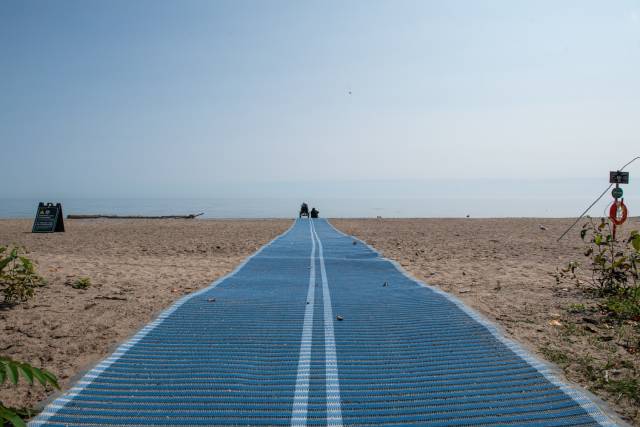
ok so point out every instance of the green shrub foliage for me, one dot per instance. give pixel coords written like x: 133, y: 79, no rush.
x: 613, y: 269
x: 11, y: 371
x: 81, y: 283
x: 18, y: 278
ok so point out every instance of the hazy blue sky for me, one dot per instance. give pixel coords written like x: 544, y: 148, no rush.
x: 157, y: 98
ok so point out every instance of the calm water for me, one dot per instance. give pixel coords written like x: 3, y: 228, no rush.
x: 329, y: 207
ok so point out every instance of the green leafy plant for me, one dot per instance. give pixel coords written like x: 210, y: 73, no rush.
x: 613, y: 269
x: 12, y: 370
x: 18, y: 278
x: 628, y: 385
x: 613, y: 263
x: 555, y: 355
x: 624, y: 305
x: 576, y: 308
x: 81, y: 283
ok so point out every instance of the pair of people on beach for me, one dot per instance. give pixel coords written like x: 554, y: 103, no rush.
x: 304, y: 211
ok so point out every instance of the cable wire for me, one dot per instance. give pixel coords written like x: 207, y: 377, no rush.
x: 595, y: 201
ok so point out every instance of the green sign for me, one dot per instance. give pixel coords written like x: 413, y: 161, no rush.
x: 617, y: 193
x: 48, y: 218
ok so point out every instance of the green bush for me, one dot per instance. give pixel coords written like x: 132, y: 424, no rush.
x: 626, y: 305
x: 81, y: 283
x: 613, y: 263
x: 576, y: 308
x: 613, y: 269
x: 12, y: 370
x: 18, y: 278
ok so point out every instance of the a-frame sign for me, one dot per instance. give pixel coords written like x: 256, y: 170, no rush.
x: 49, y: 219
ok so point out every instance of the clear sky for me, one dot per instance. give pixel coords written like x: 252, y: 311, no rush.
x: 182, y: 98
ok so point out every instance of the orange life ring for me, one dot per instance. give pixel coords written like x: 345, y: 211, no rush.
x: 613, y: 212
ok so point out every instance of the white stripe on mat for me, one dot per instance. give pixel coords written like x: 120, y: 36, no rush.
x: 334, y: 409
x: 301, y: 396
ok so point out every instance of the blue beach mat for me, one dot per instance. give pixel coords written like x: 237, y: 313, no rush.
x: 305, y: 332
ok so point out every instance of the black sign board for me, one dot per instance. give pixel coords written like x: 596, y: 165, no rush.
x: 48, y: 219
x: 617, y: 177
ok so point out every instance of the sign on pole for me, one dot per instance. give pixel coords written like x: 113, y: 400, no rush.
x: 617, y: 177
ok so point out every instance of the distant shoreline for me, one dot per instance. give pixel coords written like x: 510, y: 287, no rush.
x: 445, y: 206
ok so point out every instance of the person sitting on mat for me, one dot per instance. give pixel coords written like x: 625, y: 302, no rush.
x: 304, y: 210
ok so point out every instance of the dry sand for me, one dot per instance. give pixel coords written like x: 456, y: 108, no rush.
x: 136, y: 267
x: 501, y: 267
x: 504, y: 269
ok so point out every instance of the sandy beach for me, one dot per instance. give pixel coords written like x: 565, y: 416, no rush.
x: 501, y: 267
x: 504, y: 268
x: 136, y: 267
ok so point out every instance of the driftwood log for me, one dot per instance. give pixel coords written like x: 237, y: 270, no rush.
x: 190, y: 216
